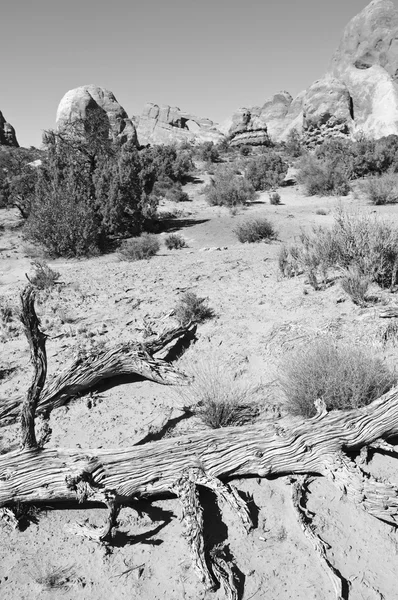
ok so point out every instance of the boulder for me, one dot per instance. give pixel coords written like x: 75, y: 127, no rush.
x: 7, y: 133
x: 81, y: 101
x: 366, y: 60
x: 327, y: 110
x: 169, y: 125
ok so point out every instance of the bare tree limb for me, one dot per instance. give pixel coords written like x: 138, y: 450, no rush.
x: 37, y: 343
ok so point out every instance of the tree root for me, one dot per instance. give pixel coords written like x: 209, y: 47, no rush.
x: 192, y: 516
x: 340, y: 586
x: 378, y: 498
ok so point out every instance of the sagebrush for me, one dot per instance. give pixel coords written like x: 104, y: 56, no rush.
x: 140, y: 248
x: 364, y: 242
x: 192, y: 309
x: 255, y: 230
x: 343, y: 375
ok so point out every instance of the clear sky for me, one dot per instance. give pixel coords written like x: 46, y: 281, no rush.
x: 209, y: 57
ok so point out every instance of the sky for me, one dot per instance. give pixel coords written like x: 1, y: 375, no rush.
x: 208, y: 57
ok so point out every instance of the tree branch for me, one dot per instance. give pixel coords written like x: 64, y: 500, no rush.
x: 37, y: 343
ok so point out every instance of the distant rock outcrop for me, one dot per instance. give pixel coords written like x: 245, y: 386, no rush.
x: 79, y: 102
x: 260, y: 124
x: 359, y: 93
x: 7, y: 133
x: 248, y: 128
x: 168, y: 124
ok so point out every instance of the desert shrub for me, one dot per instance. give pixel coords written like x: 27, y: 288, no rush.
x: 274, y: 198
x: 44, y: 276
x: 321, y: 211
x: 356, y: 285
x: 217, y: 397
x: 192, y: 309
x: 140, y: 248
x: 342, y: 375
x: 382, y: 189
x: 245, y: 150
x: 324, y: 176
x: 65, y: 222
x: 54, y: 578
x: 89, y: 192
x: 174, y: 241
x: 361, y: 242
x: 289, y: 260
x: 294, y: 146
x: 228, y: 189
x: 255, y: 230
x: 266, y: 171
x: 177, y: 194
x: 18, y: 177
x: 169, y: 189
x: 165, y: 162
x: 364, y: 242
x: 208, y: 152
x: 223, y: 146
x: 362, y: 157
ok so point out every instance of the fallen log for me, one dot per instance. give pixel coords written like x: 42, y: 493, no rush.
x: 288, y: 446
x: 88, y: 371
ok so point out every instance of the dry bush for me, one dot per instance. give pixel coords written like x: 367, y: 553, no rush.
x: 140, y: 248
x: 256, y: 230
x: 192, y: 309
x: 44, y: 277
x: 174, y: 241
x: 323, y: 177
x: 356, y: 285
x: 229, y: 189
x: 218, y: 398
x: 343, y: 375
x: 274, y: 198
x: 54, y: 578
x: 382, y: 189
x: 363, y: 242
x: 266, y: 171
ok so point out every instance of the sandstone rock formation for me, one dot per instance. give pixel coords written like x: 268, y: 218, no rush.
x: 359, y: 93
x: 248, y: 127
x: 366, y: 60
x: 327, y: 110
x: 258, y: 125
x: 7, y: 133
x: 79, y: 102
x: 168, y: 124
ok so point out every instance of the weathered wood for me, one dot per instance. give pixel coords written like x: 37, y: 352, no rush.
x: 320, y: 547
x: 37, y: 344
x: 88, y: 371
x: 316, y: 445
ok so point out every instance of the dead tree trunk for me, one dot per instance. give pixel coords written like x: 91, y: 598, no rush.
x: 177, y: 466
x: 318, y: 446
x: 87, y: 372
x: 37, y: 343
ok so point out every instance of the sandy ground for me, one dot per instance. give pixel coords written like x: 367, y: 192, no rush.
x: 259, y: 318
